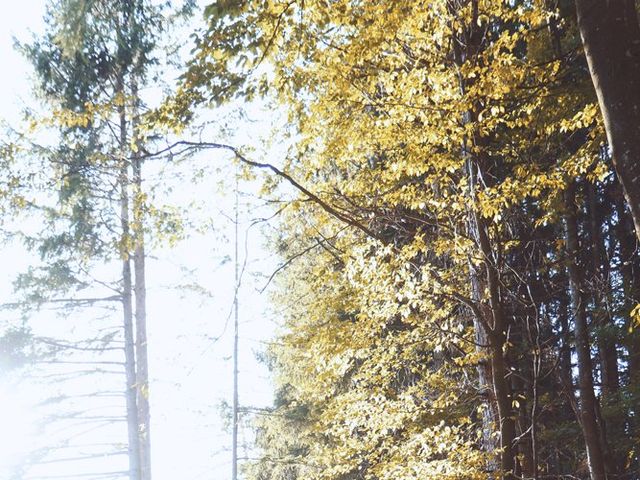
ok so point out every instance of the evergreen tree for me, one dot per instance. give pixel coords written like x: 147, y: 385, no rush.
x: 90, y: 67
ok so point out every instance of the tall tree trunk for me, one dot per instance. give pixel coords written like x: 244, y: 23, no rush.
x: 525, y: 421
x: 144, y: 412
x: 491, y: 317
x: 600, y: 288
x: 489, y: 414
x: 630, y: 272
x: 127, y: 300
x: 501, y: 386
x: 611, y: 38
x: 565, y: 372
x: 139, y: 257
x: 504, y: 401
x: 603, y: 319
x: 236, y: 305
x: 492, y: 327
x: 495, y: 323
x: 631, y: 286
x: 588, y: 401
x: 565, y: 375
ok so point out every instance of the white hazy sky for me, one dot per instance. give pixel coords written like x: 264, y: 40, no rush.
x: 16, y: 21
x: 190, y: 372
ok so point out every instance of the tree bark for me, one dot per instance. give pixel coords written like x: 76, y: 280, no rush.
x: 611, y: 39
x: 600, y: 289
x: 588, y: 401
x: 630, y: 273
x: 236, y: 305
x: 603, y: 319
x: 483, y: 369
x: 127, y: 300
x: 139, y: 258
x: 565, y: 374
x: 494, y: 325
x: 499, y: 368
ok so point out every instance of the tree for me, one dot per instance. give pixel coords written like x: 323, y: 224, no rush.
x: 90, y: 67
x: 611, y: 34
x: 451, y: 172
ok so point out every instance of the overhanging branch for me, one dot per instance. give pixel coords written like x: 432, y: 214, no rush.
x: 334, y: 212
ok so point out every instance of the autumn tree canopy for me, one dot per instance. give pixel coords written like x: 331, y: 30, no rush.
x: 465, y: 308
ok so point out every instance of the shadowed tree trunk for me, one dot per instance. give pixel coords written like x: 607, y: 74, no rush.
x: 600, y: 280
x: 588, y: 401
x: 629, y: 270
x: 611, y: 38
x: 603, y: 320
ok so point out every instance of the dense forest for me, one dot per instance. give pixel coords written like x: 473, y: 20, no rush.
x: 456, y: 204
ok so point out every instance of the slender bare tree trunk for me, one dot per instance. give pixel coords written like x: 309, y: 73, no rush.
x: 602, y: 318
x: 630, y: 271
x: 499, y: 357
x: 127, y: 300
x: 606, y: 345
x: 564, y: 365
x: 611, y: 38
x: 524, y: 411
x: 139, y: 257
x: 144, y: 412
x: 588, y: 401
x: 631, y: 287
x: 234, y: 439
